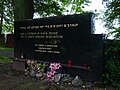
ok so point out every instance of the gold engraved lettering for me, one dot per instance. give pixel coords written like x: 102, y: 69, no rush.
x: 32, y: 27
x: 54, y: 26
x: 22, y: 27
x: 21, y: 33
x: 51, y: 26
x: 22, y: 36
x: 45, y: 48
x: 56, y: 52
x: 42, y: 26
x: 38, y: 50
x: 28, y: 27
x: 47, y: 26
x: 30, y: 36
x: 36, y: 27
x: 65, y: 25
x: 37, y: 33
x: 53, y: 33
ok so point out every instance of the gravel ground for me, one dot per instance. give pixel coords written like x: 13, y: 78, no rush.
x: 16, y: 80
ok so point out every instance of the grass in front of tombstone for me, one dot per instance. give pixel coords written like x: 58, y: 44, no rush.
x: 4, y: 59
x: 6, y: 48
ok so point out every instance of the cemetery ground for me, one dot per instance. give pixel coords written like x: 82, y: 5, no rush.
x: 16, y: 80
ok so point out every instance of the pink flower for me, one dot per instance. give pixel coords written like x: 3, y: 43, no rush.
x: 48, y: 75
x: 55, y: 66
x: 51, y: 74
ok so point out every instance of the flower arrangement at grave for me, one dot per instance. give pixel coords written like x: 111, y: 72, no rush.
x: 35, y: 69
x: 53, y: 71
x: 39, y: 70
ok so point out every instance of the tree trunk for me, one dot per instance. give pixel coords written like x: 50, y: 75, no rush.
x: 23, y: 9
x: 1, y: 16
x: 1, y: 22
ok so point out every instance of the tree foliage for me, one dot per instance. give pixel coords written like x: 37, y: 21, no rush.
x: 11, y: 9
x: 6, y: 11
x: 112, y: 17
x: 47, y: 7
x: 59, y: 7
x: 112, y: 67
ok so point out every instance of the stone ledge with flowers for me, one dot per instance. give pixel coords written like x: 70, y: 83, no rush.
x: 11, y: 79
x: 52, y: 72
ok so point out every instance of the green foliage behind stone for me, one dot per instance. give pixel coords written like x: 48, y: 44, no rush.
x: 111, y: 17
x: 112, y: 67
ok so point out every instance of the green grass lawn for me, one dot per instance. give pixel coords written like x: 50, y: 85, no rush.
x: 4, y: 59
x: 6, y: 48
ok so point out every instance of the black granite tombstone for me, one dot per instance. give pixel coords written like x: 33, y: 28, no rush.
x: 64, y: 39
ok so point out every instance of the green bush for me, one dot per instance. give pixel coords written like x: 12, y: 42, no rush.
x: 112, y: 66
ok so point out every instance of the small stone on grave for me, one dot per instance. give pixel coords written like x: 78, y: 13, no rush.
x: 33, y: 73
x: 27, y: 72
x: 39, y: 75
x: 57, y: 77
x: 67, y: 78
x: 77, y: 81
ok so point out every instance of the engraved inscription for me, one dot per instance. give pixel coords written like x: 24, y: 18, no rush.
x: 42, y: 48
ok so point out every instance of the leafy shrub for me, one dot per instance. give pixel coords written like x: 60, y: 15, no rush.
x: 112, y: 67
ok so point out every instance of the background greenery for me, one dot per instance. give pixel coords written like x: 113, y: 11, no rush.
x: 5, y: 59
x: 111, y: 17
x: 12, y: 10
x: 112, y: 66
